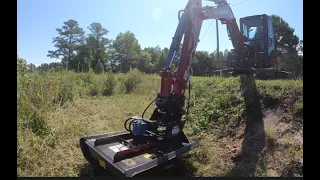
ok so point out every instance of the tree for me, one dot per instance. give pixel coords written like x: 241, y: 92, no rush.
x: 155, y: 54
x: 287, y: 44
x: 21, y: 65
x: 286, y: 41
x: 70, y: 35
x: 43, y: 67
x: 202, y: 62
x: 98, y: 45
x: 32, y: 67
x: 57, y: 66
x: 224, y: 59
x: 83, y: 58
x: 162, y: 60
x: 144, y: 62
x: 222, y: 62
x: 113, y: 63
x: 127, y: 50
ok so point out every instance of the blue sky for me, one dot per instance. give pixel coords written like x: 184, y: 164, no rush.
x: 152, y: 21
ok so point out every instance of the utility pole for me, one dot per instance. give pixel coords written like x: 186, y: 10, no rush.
x: 217, y: 43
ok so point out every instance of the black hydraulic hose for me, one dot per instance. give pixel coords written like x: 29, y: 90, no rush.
x: 128, y: 127
x: 147, y: 108
x: 130, y: 124
x: 125, y: 124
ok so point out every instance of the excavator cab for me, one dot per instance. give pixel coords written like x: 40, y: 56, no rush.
x: 259, y: 38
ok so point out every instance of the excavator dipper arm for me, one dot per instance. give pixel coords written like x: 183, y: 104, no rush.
x: 189, y: 27
x: 224, y: 13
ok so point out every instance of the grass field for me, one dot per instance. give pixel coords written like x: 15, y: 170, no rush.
x: 56, y: 109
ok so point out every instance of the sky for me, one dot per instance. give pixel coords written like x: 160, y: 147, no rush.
x: 152, y: 21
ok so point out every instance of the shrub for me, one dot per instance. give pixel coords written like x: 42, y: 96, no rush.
x: 67, y: 88
x: 132, y: 79
x: 109, y: 84
x: 93, y: 90
x: 92, y: 83
x: 34, y: 99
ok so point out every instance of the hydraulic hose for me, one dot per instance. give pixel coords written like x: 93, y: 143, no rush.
x: 125, y: 124
x: 147, y: 108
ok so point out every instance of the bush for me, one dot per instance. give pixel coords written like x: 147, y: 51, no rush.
x: 34, y: 100
x: 67, y: 88
x: 94, y: 89
x: 132, y: 79
x: 109, y: 84
x: 87, y: 78
x: 91, y: 83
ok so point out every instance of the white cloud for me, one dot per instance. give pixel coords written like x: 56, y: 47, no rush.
x: 157, y: 14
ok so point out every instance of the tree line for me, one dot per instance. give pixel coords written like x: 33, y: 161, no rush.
x: 82, y: 51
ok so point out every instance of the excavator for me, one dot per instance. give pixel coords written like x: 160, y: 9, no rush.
x: 148, y: 142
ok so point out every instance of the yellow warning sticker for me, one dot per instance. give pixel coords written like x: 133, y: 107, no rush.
x: 147, y: 155
x: 102, y: 164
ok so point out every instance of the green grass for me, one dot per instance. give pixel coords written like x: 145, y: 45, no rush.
x: 56, y: 109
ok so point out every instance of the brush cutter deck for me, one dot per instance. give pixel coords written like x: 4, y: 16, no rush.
x: 123, y: 154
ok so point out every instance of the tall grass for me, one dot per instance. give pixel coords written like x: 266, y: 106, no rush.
x: 38, y: 93
x: 131, y: 80
x: 55, y: 109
